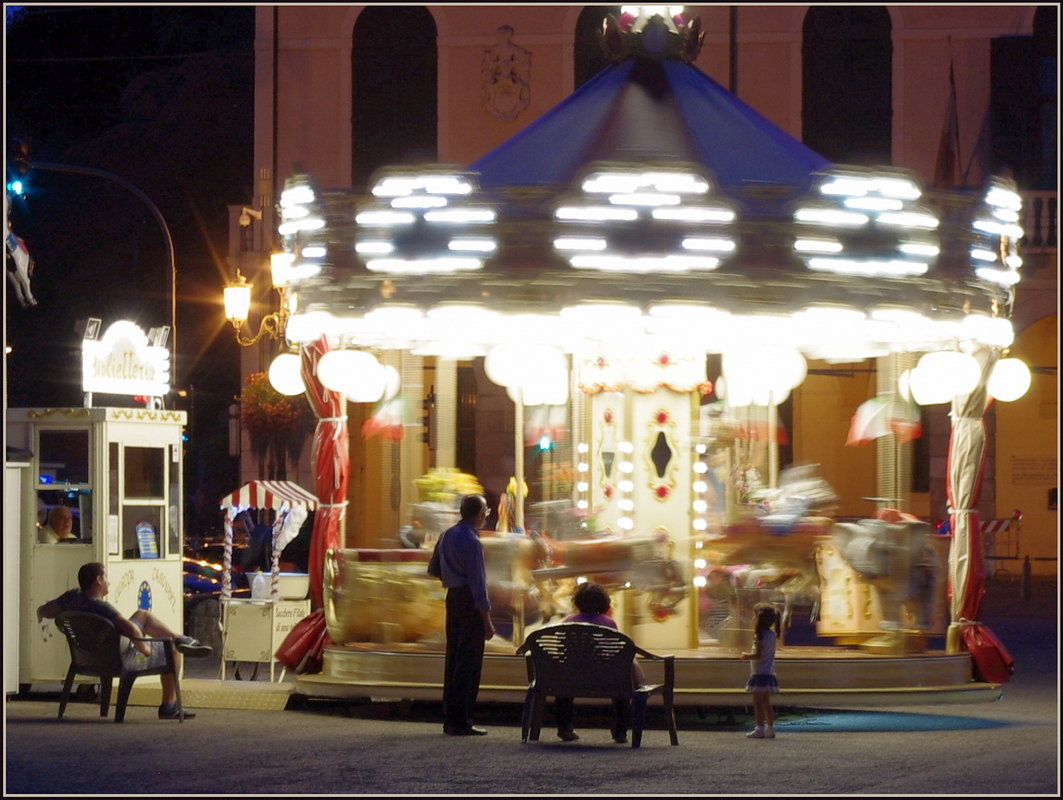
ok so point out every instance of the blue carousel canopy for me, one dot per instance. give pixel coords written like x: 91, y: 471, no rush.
x: 655, y: 110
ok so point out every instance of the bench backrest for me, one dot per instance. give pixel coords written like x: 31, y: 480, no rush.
x: 578, y: 659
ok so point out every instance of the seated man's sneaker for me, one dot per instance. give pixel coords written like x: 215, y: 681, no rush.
x: 192, y: 647
x: 173, y: 712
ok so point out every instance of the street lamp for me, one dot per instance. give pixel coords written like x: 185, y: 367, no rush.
x: 284, y: 372
x: 238, y: 304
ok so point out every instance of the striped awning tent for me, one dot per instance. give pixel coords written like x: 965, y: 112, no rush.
x: 281, y: 496
x: 269, y: 494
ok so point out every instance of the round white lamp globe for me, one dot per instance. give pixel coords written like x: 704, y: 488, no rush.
x: 1009, y: 380
x: 285, y: 374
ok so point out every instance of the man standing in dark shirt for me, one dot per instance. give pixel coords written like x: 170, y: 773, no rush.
x: 92, y: 580
x: 458, y: 561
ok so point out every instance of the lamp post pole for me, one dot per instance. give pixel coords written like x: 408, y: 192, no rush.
x: 99, y: 173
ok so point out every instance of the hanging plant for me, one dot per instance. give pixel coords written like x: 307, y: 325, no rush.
x: 277, y: 424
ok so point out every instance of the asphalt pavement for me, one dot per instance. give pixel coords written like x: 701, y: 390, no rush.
x: 1008, y: 747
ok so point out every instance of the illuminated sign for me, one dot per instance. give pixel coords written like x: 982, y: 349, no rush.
x: 124, y: 362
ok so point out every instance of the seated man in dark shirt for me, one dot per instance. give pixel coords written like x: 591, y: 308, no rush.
x: 92, y: 580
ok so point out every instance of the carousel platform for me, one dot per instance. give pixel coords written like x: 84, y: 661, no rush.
x: 826, y: 677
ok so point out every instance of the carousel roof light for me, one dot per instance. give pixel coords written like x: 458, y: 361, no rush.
x: 695, y: 214
x: 383, y: 217
x: 874, y: 215
x: 355, y: 373
x: 992, y: 331
x: 997, y: 233
x: 423, y: 266
x: 830, y: 216
x: 416, y: 226
x: 458, y: 216
x: 405, y: 185
x: 459, y: 311
x: 941, y: 375
x: 597, y: 213
x: 653, y: 200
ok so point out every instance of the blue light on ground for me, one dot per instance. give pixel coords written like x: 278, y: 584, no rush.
x: 865, y: 721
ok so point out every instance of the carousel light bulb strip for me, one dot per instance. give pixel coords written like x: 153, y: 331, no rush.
x: 626, y: 485
x: 700, y: 486
x: 582, y: 483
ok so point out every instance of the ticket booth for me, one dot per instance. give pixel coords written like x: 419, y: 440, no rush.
x: 115, y: 476
x: 118, y: 471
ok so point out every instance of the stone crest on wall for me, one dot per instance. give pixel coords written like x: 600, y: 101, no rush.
x: 506, y: 74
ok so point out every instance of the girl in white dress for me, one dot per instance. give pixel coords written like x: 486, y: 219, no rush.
x: 762, y: 682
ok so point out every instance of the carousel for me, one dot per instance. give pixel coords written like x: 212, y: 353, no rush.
x: 648, y: 270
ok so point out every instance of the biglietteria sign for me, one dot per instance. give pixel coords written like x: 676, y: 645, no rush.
x: 123, y: 362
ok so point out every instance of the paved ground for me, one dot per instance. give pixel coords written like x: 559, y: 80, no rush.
x: 1008, y: 747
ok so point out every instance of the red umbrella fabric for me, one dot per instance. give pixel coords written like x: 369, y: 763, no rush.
x: 331, y: 453
x: 966, y: 460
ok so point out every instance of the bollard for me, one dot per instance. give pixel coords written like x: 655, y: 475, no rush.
x: 1024, y: 586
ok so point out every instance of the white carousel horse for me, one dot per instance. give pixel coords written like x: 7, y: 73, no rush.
x: 19, y: 264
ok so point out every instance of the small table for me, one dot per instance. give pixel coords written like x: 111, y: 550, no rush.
x: 252, y: 630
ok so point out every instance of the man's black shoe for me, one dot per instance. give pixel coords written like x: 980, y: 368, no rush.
x: 472, y: 730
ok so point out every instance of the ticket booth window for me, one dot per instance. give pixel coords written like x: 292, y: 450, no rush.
x: 64, y: 457
x: 143, y: 518
x: 63, y: 479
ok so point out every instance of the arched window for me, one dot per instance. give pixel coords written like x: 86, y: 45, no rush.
x: 848, y: 84
x: 1046, y: 43
x: 589, y: 56
x: 394, y: 96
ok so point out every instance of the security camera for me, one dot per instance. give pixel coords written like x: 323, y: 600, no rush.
x: 246, y: 214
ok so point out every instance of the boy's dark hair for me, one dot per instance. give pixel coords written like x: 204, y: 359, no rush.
x: 590, y: 598
x: 88, y: 574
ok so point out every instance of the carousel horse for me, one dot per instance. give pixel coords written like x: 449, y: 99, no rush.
x: 898, y: 559
x: 19, y: 265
